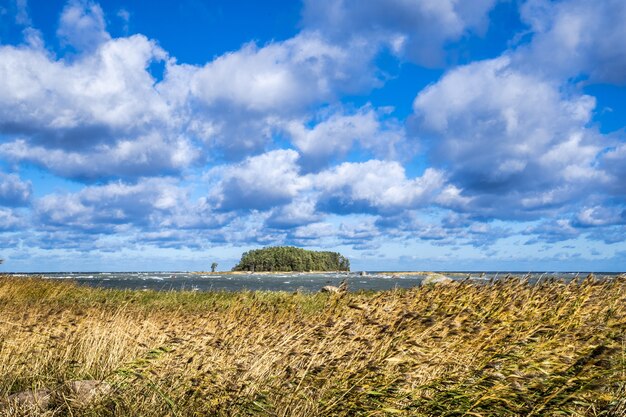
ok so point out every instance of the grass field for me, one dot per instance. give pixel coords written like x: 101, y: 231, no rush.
x: 504, y: 349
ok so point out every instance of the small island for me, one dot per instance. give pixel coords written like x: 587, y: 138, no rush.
x: 291, y: 259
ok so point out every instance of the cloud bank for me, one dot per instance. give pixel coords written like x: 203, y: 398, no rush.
x: 283, y: 142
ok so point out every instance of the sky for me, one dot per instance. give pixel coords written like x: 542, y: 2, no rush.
x: 407, y: 135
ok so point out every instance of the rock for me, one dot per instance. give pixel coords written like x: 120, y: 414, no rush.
x: 331, y: 289
x: 342, y: 288
x: 363, y: 273
x: 436, y: 279
x: 32, y: 400
x: 84, y: 392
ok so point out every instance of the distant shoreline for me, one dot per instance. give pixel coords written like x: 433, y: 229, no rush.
x: 317, y: 272
x: 265, y: 272
x: 372, y: 272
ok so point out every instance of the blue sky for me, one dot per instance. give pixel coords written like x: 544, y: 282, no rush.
x: 413, y: 135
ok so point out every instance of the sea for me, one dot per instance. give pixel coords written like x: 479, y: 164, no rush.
x: 291, y: 282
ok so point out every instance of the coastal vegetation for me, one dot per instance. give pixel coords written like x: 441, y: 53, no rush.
x: 505, y: 348
x: 290, y: 259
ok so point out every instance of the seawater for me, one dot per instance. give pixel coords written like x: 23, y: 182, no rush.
x: 306, y: 282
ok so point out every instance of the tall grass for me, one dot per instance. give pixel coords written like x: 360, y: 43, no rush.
x: 503, y: 349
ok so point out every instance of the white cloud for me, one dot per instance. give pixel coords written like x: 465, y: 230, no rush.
x: 333, y: 137
x: 273, y: 180
x: 110, y: 88
x: 576, y: 36
x: 124, y: 16
x: 132, y: 157
x: 315, y: 232
x: 98, y: 116
x: 260, y: 182
x: 283, y: 76
x: 22, y: 17
x: 375, y: 185
x: 417, y: 29
x: 297, y: 213
x: 601, y: 216
x: 13, y: 191
x: 114, y: 206
x: 613, y: 161
x: 10, y: 220
x: 93, y: 109
x: 552, y: 231
x: 82, y: 25
x: 505, y: 134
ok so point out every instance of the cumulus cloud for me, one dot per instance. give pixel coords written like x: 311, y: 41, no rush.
x: 600, y: 216
x: 273, y: 181
x: 13, y: 191
x: 552, y: 231
x: 100, y: 115
x: 515, y: 136
x: 418, y: 30
x: 260, y: 182
x: 90, y: 108
x: 113, y: 207
x: 503, y: 134
x: 10, y: 220
x: 283, y: 75
x: 132, y: 157
x: 107, y: 89
x: 360, y: 234
x: 240, y: 99
x: 442, y: 228
x: 82, y: 25
x: 297, y: 213
x: 576, y: 36
x: 610, y: 235
x: 334, y: 136
x: 613, y: 161
x: 374, y: 186
x: 314, y: 232
x: 597, y: 223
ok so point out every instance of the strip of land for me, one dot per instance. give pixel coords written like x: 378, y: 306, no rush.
x: 507, y: 348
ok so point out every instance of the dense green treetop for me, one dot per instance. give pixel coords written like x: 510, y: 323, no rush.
x: 289, y: 258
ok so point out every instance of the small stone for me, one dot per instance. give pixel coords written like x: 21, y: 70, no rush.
x: 33, y: 400
x: 84, y: 392
x: 341, y: 289
x: 436, y: 279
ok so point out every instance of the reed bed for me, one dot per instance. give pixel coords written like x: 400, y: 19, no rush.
x: 502, y: 349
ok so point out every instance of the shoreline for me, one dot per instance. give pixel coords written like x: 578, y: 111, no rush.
x: 408, y: 273
x: 266, y: 272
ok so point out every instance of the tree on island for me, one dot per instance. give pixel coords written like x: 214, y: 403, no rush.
x: 213, y: 266
x: 290, y: 259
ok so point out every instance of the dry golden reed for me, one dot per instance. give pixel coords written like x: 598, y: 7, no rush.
x: 502, y: 349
